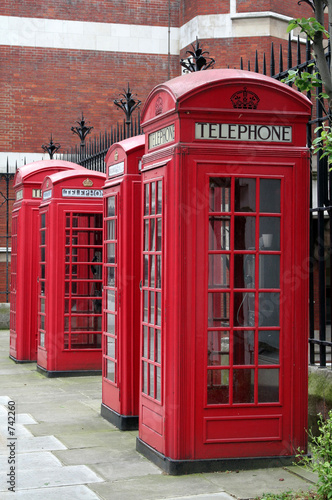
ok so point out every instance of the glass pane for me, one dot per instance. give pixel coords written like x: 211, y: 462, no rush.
x: 159, y: 221
x: 159, y: 197
x: 244, y: 309
x: 218, y: 309
x: 145, y: 341
x: 42, y: 339
x: 42, y: 220
x: 268, y: 347
x: 269, y: 200
x: 151, y: 315
x: 42, y: 305
x: 111, y: 206
x: 111, y: 323
x: 268, y: 385
x: 245, y: 195
x: 110, y: 276
x: 244, y: 233
x: 243, y: 386
x: 145, y: 377
x: 151, y: 377
x: 219, y: 271
x: 269, y: 309
x: 145, y: 305
x: 244, y: 271
x: 111, y: 347
x: 111, y: 253
x: 158, y: 319
x: 219, y: 233
x: 42, y: 238
x: 152, y: 235
x: 151, y: 342
x: 42, y: 271
x: 146, y: 234
x: 152, y: 270
x: 158, y: 346
x: 158, y: 270
x: 153, y: 197
x: 111, y: 230
x: 269, y: 271
x: 220, y: 194
x: 146, y: 199
x: 111, y: 300
x: 218, y: 387
x: 218, y: 348
x: 269, y: 233
x: 110, y: 370
x: 158, y: 383
x: 42, y: 254
x: 243, y: 347
x: 146, y: 270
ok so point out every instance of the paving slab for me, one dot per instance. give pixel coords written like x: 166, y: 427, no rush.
x: 62, y: 492
x: 54, y: 476
x: 251, y: 483
x: 154, y: 487
x: 40, y: 443
x: 32, y: 461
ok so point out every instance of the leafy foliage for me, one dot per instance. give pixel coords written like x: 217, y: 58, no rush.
x: 321, y: 461
x: 308, y: 26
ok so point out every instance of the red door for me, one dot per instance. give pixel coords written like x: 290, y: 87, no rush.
x: 152, y: 381
x: 111, y: 379
x: 244, y: 336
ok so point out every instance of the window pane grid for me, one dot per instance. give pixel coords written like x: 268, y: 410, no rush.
x: 151, y: 286
x: 243, y: 354
x: 110, y: 333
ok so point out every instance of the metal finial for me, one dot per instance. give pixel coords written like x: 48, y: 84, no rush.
x: 196, y: 61
x: 82, y: 130
x: 127, y: 104
x: 51, y: 148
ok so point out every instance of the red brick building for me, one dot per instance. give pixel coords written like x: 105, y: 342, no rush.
x: 59, y: 58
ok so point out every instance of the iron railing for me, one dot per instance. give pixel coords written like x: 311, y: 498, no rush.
x: 320, y: 262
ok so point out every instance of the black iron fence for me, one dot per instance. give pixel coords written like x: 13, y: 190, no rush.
x: 320, y: 263
x: 6, y: 181
x: 92, y: 154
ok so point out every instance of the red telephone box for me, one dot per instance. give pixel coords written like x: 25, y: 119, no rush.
x: 25, y: 256
x: 122, y: 260
x: 225, y: 283
x: 70, y: 273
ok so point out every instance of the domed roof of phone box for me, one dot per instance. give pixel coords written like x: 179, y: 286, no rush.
x: 215, y: 89
x: 35, y: 171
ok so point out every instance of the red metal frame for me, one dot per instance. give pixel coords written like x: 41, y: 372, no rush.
x: 70, y: 276
x: 121, y: 315
x: 230, y: 148
x: 25, y: 256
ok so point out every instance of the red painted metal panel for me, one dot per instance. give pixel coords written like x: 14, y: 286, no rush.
x: 27, y: 186
x: 121, y: 314
x: 230, y: 149
x: 70, y: 277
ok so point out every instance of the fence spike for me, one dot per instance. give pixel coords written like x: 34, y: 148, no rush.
x: 272, y: 65
x: 241, y: 63
x: 264, y: 64
x: 298, y: 50
x: 289, y: 58
x: 281, y: 65
x: 256, y: 62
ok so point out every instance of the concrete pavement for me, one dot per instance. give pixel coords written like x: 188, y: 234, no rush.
x: 59, y: 447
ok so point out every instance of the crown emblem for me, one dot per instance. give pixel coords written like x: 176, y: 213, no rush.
x: 159, y: 105
x: 245, y: 99
x: 87, y: 183
x: 116, y: 155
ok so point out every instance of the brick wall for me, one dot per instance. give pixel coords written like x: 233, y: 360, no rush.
x: 154, y: 12
x: 47, y: 90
